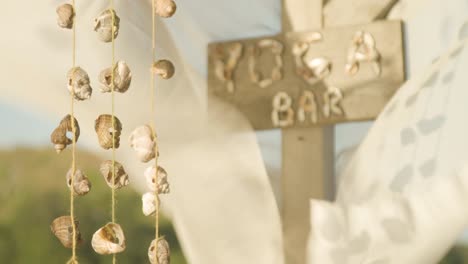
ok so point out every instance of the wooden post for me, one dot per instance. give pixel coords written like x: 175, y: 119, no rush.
x: 307, y: 169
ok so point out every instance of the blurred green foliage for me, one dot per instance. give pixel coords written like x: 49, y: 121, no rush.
x: 34, y: 192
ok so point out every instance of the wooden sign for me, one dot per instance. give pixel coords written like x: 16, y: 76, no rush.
x: 313, y: 78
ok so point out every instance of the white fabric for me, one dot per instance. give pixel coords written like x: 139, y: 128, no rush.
x: 402, y: 197
x: 391, y: 228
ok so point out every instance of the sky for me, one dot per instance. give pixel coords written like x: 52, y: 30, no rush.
x: 21, y: 127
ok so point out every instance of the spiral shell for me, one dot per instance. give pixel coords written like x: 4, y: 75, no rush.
x: 105, y: 131
x: 122, y: 78
x: 165, y: 8
x: 121, y: 177
x: 59, y: 135
x: 149, y: 203
x: 143, y: 142
x: 163, y: 184
x: 104, y: 27
x: 79, y: 84
x: 163, y: 253
x: 81, y: 183
x: 164, y: 68
x: 63, y: 230
x: 108, y: 240
x: 66, y: 14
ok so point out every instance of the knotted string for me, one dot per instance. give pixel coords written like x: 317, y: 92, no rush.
x: 153, y: 129
x: 111, y: 3
x: 73, y: 259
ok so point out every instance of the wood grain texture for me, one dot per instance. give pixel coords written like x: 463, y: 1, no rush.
x: 365, y: 95
x: 348, y: 12
x: 302, y: 15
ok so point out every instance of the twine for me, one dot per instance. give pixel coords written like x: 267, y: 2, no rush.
x: 72, y: 113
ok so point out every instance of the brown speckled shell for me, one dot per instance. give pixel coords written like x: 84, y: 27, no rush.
x: 79, y: 84
x: 105, y: 131
x: 163, y: 254
x: 59, y: 135
x: 63, y: 230
x: 121, y: 177
x: 81, y: 183
x: 164, y: 68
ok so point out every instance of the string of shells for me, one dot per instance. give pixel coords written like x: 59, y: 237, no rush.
x: 66, y: 228
x: 143, y: 141
x: 110, y: 238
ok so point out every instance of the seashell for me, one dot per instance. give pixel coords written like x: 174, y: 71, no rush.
x: 121, y: 177
x: 143, y: 142
x: 79, y: 84
x: 63, y: 230
x: 163, y: 253
x: 81, y: 183
x: 164, y: 68
x: 66, y: 15
x: 122, y: 78
x: 59, y: 135
x: 149, y: 203
x: 165, y: 8
x: 108, y: 240
x: 107, y: 130
x: 163, y: 184
x: 103, y: 25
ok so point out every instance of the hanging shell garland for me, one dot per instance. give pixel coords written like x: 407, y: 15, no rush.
x: 143, y: 142
x: 66, y: 15
x: 149, y: 203
x: 109, y: 239
x: 164, y: 68
x: 81, y: 183
x: 163, y: 253
x: 105, y: 131
x: 104, y: 27
x: 163, y: 184
x: 79, y: 84
x: 63, y: 230
x: 122, y: 78
x: 121, y: 177
x: 59, y: 135
x: 165, y: 8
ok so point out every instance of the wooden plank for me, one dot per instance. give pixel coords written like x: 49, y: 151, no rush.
x: 307, y: 154
x: 256, y: 102
x: 306, y: 14
x: 307, y: 174
x: 346, y: 12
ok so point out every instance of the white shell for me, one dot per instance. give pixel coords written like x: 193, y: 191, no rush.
x: 143, y: 142
x: 79, y: 84
x: 109, y: 239
x: 121, y: 177
x: 65, y: 15
x: 149, y: 203
x: 103, y: 25
x: 150, y: 176
x: 163, y: 253
x: 122, y: 78
x: 165, y: 8
x: 81, y: 183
